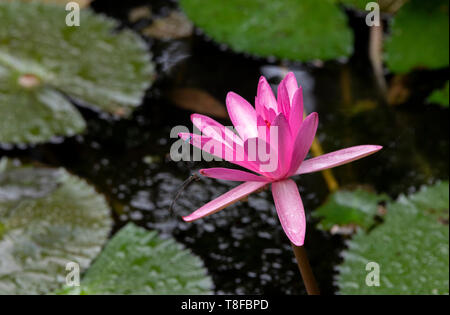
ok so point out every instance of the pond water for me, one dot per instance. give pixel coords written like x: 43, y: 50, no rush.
x: 243, y: 246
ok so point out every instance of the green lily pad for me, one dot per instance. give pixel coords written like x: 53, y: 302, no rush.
x: 411, y: 248
x: 357, y: 4
x: 420, y: 37
x: 42, y: 59
x: 290, y: 29
x: 440, y: 96
x: 81, y: 3
x: 358, y: 208
x: 48, y: 218
x: 137, y: 261
x: 388, y: 6
x: 36, y: 114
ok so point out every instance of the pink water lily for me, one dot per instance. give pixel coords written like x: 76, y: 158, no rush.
x: 291, y: 144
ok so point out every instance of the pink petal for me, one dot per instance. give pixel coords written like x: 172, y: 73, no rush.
x: 284, y: 103
x: 303, y: 141
x: 225, y: 200
x: 194, y: 139
x: 263, y: 129
x: 271, y: 114
x: 231, y: 174
x: 265, y: 98
x: 263, y: 156
x: 291, y: 85
x: 296, y: 113
x: 290, y: 210
x: 242, y: 115
x: 211, y: 128
x: 337, y: 158
x: 283, y: 143
x: 235, y: 155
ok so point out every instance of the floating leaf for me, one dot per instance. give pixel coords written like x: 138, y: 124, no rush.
x: 81, y: 3
x: 47, y: 219
x: 357, y: 4
x: 433, y: 199
x: 411, y: 247
x: 34, y: 114
x: 344, y: 208
x: 389, y: 6
x: 419, y: 37
x: 440, y: 96
x: 136, y: 261
x: 41, y: 57
x: 291, y: 29
x: 173, y: 26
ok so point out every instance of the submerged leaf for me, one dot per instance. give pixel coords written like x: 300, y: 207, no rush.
x: 420, y: 37
x: 136, y: 261
x: 198, y: 101
x: 173, y: 26
x: 48, y: 218
x: 41, y: 57
x: 291, y: 29
x: 411, y: 248
x: 139, y: 13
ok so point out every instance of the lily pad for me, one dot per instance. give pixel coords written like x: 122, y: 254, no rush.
x: 81, y: 3
x: 42, y: 59
x: 357, y: 4
x: 389, y: 6
x: 288, y: 29
x: 420, y: 37
x: 344, y: 208
x: 48, y: 218
x: 137, y: 261
x: 441, y: 96
x: 411, y: 248
x: 34, y: 114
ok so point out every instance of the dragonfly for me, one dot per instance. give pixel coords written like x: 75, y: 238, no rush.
x: 192, y: 178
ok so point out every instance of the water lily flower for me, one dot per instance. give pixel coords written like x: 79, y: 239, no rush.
x: 291, y: 144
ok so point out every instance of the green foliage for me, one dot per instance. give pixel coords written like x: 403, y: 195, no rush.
x: 440, y: 96
x: 47, y: 219
x: 137, y: 261
x: 357, y: 4
x: 290, y: 29
x: 343, y: 207
x: 411, y: 248
x: 420, y: 37
x: 34, y: 115
x: 93, y: 64
x: 388, y: 6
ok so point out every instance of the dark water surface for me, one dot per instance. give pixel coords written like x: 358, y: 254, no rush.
x: 243, y: 246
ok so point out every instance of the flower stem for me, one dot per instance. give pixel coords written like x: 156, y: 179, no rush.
x: 305, y: 270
